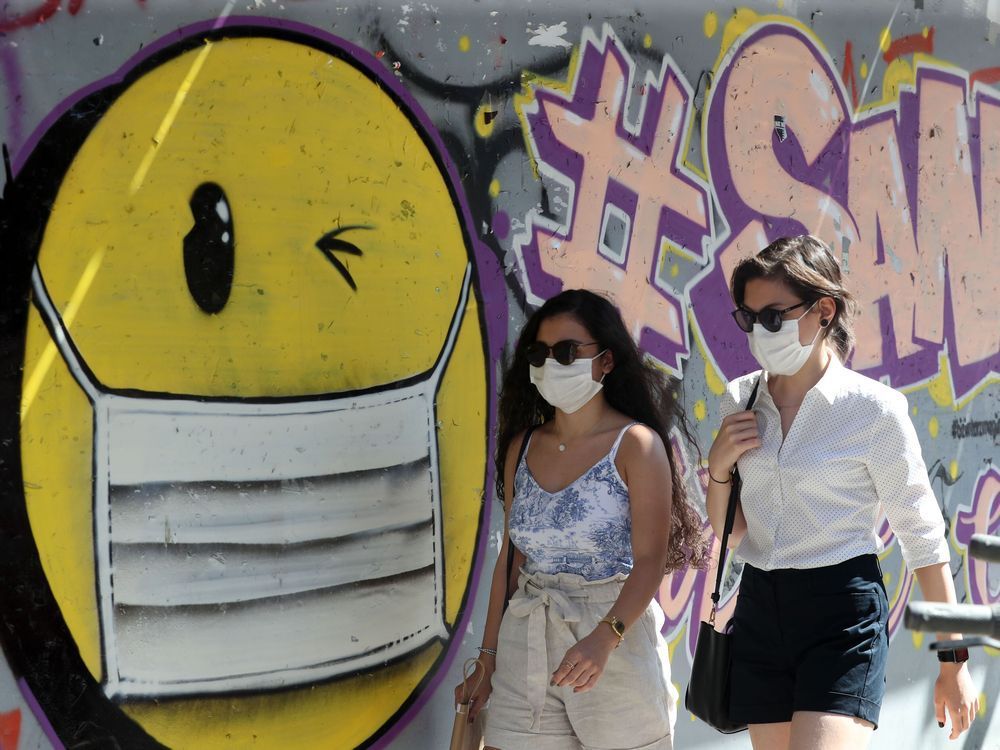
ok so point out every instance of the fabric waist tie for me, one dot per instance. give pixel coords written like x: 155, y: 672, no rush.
x: 553, y: 600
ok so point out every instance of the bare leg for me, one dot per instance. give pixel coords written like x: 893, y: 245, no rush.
x: 771, y: 736
x: 815, y: 730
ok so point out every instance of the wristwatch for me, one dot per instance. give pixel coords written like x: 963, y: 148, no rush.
x: 616, y: 625
x: 953, y: 655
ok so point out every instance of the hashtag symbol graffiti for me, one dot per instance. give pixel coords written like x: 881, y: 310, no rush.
x: 632, y: 201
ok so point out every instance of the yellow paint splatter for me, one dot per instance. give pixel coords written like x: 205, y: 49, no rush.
x: 885, y: 40
x: 864, y: 70
x: 933, y: 427
x: 897, y: 73
x: 939, y: 388
x: 918, y: 639
x: 954, y: 469
x: 914, y: 410
x: 674, y: 270
x: 982, y: 705
x: 925, y: 32
x: 781, y: 4
x: 672, y: 645
x: 713, y: 380
x: 485, y: 120
x: 715, y: 434
x: 464, y: 44
x: 711, y: 24
x: 743, y: 19
x: 887, y: 579
x: 700, y: 410
x: 647, y: 41
x: 494, y: 188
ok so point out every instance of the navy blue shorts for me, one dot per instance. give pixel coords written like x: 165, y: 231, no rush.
x: 810, y: 640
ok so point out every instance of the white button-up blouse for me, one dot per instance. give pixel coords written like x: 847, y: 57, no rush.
x: 813, y: 499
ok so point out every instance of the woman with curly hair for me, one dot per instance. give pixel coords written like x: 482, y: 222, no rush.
x: 596, y: 513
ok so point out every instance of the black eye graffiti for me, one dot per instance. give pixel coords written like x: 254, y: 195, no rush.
x: 209, y: 248
x: 329, y: 243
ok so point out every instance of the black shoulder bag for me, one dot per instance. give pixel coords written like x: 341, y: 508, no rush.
x: 510, y: 544
x: 707, y: 695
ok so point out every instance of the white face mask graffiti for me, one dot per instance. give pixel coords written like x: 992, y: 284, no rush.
x: 780, y: 352
x: 248, y: 545
x: 566, y: 387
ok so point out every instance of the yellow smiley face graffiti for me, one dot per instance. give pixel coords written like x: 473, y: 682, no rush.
x: 255, y: 398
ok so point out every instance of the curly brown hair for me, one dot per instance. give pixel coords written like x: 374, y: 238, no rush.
x: 635, y: 387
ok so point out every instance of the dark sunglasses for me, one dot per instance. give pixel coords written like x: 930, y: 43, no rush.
x: 770, y: 318
x: 564, y: 352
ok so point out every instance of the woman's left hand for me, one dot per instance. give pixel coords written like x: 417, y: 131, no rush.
x: 584, y: 662
x: 954, y: 692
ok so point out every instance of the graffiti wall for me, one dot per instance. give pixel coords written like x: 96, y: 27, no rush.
x: 262, y: 263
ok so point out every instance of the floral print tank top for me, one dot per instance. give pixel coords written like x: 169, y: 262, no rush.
x: 585, y: 528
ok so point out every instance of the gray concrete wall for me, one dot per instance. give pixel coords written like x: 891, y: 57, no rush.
x: 261, y: 262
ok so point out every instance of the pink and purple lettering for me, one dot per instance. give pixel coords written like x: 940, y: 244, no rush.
x: 631, y: 199
x: 905, y: 193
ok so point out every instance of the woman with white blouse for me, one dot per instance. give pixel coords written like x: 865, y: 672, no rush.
x: 822, y: 452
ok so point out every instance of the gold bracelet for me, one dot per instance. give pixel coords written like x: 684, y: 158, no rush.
x: 617, y: 626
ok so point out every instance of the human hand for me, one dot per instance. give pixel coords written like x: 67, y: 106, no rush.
x: 737, y: 434
x: 955, y: 694
x: 584, y: 662
x: 476, y: 688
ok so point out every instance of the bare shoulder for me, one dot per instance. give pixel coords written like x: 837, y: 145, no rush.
x: 514, y: 449
x: 641, y: 441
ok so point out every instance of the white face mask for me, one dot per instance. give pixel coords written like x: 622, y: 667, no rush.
x: 566, y: 387
x: 779, y: 352
x: 244, y: 545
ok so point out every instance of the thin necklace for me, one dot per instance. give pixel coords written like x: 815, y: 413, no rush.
x: 591, y: 431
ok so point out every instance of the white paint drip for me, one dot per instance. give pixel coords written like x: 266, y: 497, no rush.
x: 549, y: 36
x: 962, y: 157
x: 897, y: 168
x: 222, y: 209
x: 820, y: 86
x: 675, y: 122
x: 617, y: 100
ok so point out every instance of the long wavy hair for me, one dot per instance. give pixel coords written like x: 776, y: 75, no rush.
x: 635, y: 387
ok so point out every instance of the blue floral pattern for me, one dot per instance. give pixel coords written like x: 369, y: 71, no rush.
x: 585, y: 528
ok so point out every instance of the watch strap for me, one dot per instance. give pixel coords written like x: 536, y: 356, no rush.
x: 956, y: 655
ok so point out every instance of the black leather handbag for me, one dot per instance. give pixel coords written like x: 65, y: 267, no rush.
x: 707, y: 695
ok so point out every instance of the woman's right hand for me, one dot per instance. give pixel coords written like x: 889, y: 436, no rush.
x: 737, y: 435
x: 477, y: 696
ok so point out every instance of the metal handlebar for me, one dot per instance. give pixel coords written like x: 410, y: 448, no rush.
x: 977, y: 619
x: 985, y: 547
x: 979, y: 622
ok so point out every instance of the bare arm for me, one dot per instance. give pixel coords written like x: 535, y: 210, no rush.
x: 737, y: 434
x: 499, y: 587
x: 647, y: 475
x: 953, y: 689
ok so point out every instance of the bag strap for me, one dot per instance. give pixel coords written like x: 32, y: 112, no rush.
x: 734, y: 499
x: 510, y: 544
x: 470, y: 668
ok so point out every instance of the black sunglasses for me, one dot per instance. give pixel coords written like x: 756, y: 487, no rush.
x: 564, y: 352
x: 770, y: 318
